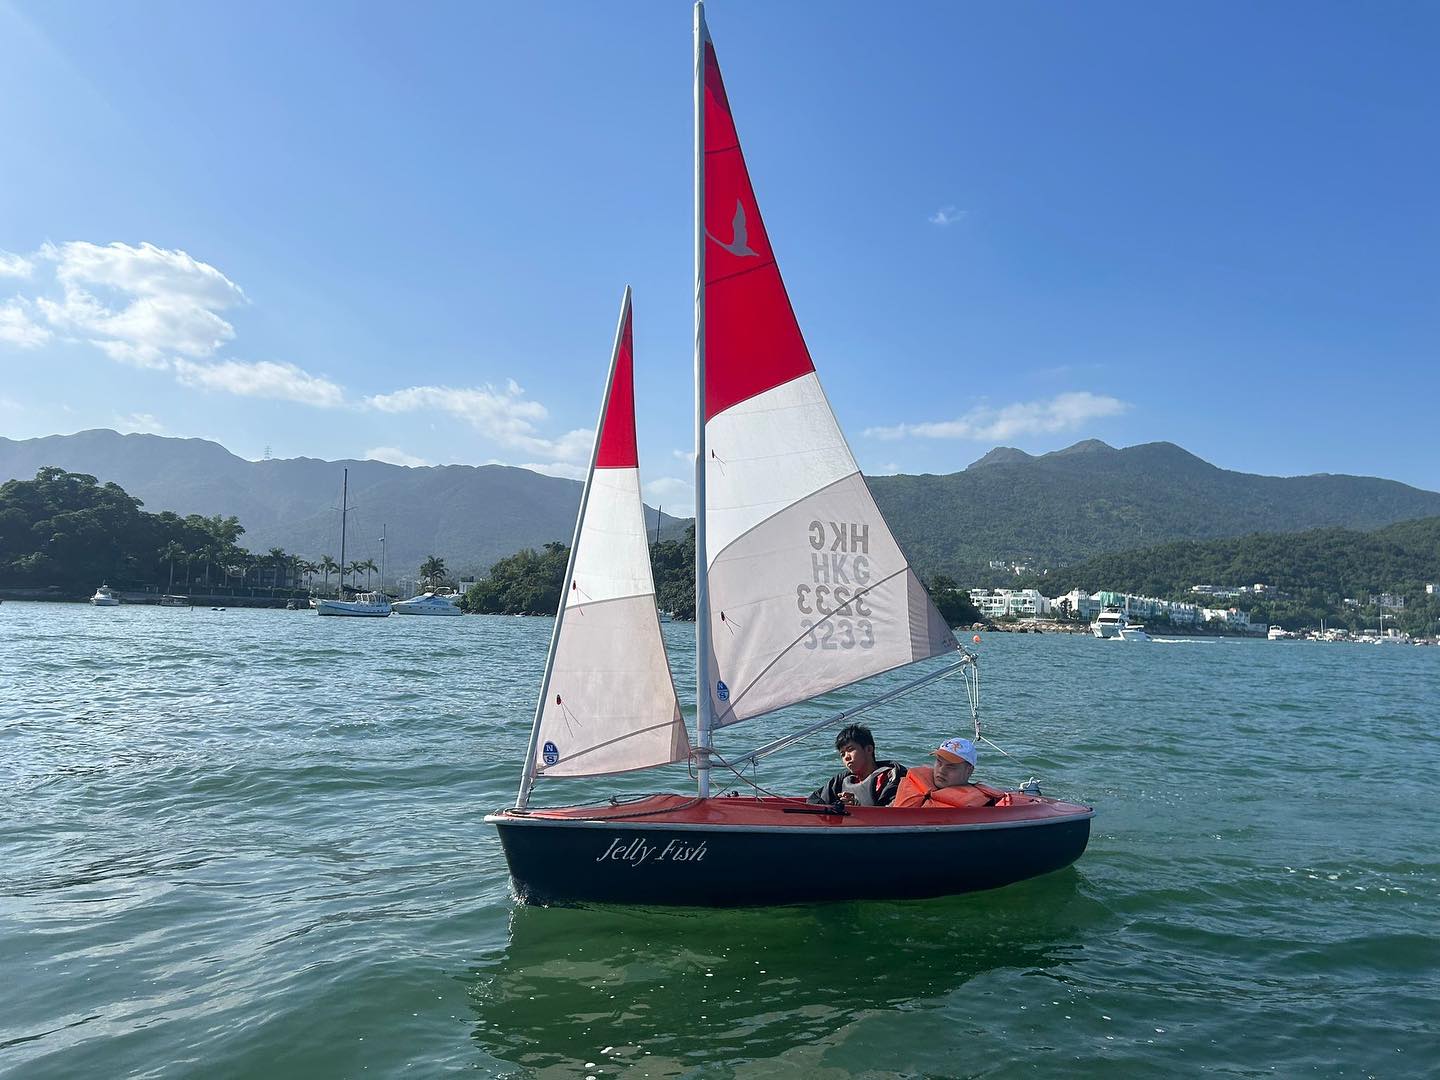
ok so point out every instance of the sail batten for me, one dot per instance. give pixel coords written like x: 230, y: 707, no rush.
x: 808, y: 590
x: 607, y: 702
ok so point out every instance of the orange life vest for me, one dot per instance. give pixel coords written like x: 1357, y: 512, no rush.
x: 918, y: 789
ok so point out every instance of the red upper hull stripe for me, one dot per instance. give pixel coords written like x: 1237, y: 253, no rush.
x: 617, y: 430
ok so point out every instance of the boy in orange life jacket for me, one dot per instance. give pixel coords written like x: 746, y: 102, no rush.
x: 865, y: 781
x: 948, y: 783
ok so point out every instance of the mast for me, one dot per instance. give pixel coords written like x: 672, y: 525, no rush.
x: 703, y: 718
x: 384, y: 529
x: 527, y: 777
x: 344, y: 496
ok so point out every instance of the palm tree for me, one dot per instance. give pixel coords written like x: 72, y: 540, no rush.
x: 370, y: 568
x: 353, y: 569
x: 169, y: 553
x: 329, y: 566
x: 432, y: 570
x: 276, y: 558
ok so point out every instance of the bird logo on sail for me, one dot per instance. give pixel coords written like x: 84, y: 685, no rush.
x: 740, y: 244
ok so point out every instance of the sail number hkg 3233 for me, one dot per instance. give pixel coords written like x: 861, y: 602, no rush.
x: 834, y: 604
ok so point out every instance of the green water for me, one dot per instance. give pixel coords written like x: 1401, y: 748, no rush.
x: 249, y: 844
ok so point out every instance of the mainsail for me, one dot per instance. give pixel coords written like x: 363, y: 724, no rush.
x: 607, y: 702
x: 807, y: 590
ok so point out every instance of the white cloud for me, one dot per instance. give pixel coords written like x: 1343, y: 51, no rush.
x: 139, y: 422
x: 550, y: 468
x: 671, y: 492
x: 504, y: 415
x: 1063, y: 412
x: 18, y: 328
x: 888, y: 469
x: 260, y: 379
x: 155, y: 301
x: 687, y: 456
x: 395, y: 456
x: 12, y: 265
x: 946, y: 216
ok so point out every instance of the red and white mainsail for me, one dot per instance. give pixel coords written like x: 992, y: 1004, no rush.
x: 607, y: 701
x: 806, y: 589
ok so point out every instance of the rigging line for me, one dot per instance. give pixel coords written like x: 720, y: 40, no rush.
x: 738, y: 273
x: 785, y: 742
x: 746, y: 780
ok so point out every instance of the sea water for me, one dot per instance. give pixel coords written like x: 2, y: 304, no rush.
x: 249, y: 844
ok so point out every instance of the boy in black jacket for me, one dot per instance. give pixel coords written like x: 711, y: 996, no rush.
x: 865, y: 781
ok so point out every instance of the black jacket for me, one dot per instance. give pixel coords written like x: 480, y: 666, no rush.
x: 885, y: 781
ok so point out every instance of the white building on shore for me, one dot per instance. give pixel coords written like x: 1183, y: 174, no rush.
x: 998, y: 603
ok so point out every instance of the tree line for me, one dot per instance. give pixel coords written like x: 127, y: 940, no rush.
x: 68, y: 531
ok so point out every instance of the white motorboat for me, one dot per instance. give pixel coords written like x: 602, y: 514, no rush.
x: 1278, y: 633
x: 1133, y: 633
x: 368, y: 605
x: 428, y: 604
x: 1109, y: 623
x: 104, y: 597
x: 174, y: 600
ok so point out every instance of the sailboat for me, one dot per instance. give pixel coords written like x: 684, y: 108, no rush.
x: 367, y: 605
x: 800, y: 589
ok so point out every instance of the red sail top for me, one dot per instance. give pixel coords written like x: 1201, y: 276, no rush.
x: 617, y: 429
x: 752, y: 341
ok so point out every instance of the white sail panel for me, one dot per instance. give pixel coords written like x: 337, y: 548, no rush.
x: 611, y: 705
x: 767, y: 453
x: 814, y: 598
x: 612, y: 554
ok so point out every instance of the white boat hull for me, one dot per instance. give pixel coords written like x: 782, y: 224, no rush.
x: 421, y: 605
x: 353, y: 608
x: 104, y: 601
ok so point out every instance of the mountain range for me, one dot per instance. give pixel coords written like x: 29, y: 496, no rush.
x: 1091, y: 498
x: 469, y: 515
x: 1046, y: 510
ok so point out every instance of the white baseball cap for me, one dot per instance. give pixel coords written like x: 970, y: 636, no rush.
x: 957, y: 750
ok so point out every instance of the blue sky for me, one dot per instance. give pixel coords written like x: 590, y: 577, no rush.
x: 349, y: 230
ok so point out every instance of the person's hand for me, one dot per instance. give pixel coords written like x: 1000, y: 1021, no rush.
x: 847, y: 798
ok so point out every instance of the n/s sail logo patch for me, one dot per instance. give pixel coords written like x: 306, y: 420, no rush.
x: 721, y: 690
x: 551, y: 753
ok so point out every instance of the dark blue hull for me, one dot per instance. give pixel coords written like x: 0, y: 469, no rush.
x: 562, y: 861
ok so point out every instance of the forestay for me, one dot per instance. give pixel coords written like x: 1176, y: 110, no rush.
x: 608, y: 702
x: 807, y: 589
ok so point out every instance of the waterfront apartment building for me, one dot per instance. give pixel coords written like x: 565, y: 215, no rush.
x: 1082, y: 604
x: 999, y: 603
x: 1233, y: 618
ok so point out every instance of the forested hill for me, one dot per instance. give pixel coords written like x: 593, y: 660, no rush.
x: 1092, y: 498
x: 1321, y: 563
x: 470, y: 515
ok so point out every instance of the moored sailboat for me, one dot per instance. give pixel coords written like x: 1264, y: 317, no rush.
x: 365, y: 605
x: 801, y: 589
